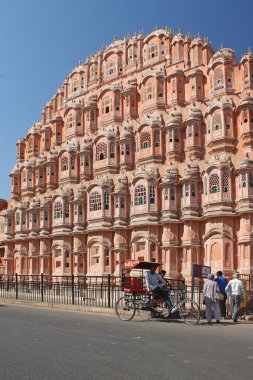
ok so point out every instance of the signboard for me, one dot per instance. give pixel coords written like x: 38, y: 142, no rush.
x: 200, y: 271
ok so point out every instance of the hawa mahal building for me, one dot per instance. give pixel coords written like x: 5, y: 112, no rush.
x: 144, y: 152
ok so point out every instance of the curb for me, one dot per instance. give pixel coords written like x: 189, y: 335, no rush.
x: 55, y: 306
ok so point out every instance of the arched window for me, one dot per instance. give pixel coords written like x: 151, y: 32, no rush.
x: 149, y: 91
x: 101, y: 151
x: 172, y: 194
x: 140, y: 196
x: 157, y: 138
x: 64, y: 164
x: 152, y: 50
x: 166, y: 194
x: 214, y: 184
x: 57, y: 210
x: 225, y: 183
x: 111, y: 68
x: 95, y: 201
x: 145, y: 140
x: 106, y: 104
x: 93, y: 71
x: 70, y: 120
x: 152, y: 194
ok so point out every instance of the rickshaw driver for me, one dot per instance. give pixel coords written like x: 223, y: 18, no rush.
x: 155, y: 283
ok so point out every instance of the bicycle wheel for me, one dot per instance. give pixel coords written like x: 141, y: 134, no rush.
x: 145, y: 311
x: 125, y: 309
x: 189, y: 311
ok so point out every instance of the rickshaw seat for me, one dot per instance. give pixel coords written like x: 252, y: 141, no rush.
x: 135, y: 290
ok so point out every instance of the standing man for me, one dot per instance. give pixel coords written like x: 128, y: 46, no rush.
x: 209, y: 293
x: 236, y: 291
x: 222, y: 283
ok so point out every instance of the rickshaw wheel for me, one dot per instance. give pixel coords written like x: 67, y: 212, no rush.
x: 189, y: 311
x: 145, y: 313
x: 125, y: 309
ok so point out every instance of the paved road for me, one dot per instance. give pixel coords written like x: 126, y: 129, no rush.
x: 49, y: 344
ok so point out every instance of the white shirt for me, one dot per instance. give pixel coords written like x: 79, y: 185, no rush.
x: 235, y: 287
x: 153, y: 280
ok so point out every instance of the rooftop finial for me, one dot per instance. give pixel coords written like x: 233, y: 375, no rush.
x: 249, y: 50
x: 115, y: 38
x: 198, y: 35
x: 179, y: 30
x: 166, y: 28
x: 155, y: 28
x: 221, y: 47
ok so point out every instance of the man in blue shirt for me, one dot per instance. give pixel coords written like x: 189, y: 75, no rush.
x: 222, y: 283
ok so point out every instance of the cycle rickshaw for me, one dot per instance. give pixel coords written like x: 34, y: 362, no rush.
x: 137, y: 299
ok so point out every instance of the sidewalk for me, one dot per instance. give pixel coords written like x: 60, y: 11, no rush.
x: 101, y: 310
x: 58, y: 306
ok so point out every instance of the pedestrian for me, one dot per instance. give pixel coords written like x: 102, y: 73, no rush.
x: 222, y: 283
x: 209, y: 293
x: 236, y: 291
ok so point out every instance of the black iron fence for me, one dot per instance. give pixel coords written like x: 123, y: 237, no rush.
x: 92, y: 291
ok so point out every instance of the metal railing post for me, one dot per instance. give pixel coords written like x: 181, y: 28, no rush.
x: 73, y: 289
x: 16, y: 285
x: 109, y: 290
x: 42, y: 286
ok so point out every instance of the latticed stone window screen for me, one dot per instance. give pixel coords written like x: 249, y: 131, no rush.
x: 145, y: 140
x: 58, y: 210
x: 66, y: 209
x: 166, y: 193
x: 152, y: 51
x: 101, y: 151
x: 214, y: 183
x: 243, y: 180
x: 140, y: 195
x: 73, y: 162
x: 193, y: 190
x: 157, y: 138
x: 106, y: 200
x: 112, y: 150
x: 152, y: 194
x: 172, y: 194
x: 95, y: 201
x: 251, y: 180
x: 187, y: 190
x: 122, y: 202
x: 225, y: 183
x: 64, y: 164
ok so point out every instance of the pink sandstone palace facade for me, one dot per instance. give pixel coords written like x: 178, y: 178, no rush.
x: 144, y: 152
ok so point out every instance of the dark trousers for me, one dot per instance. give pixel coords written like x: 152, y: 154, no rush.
x: 222, y: 305
x: 235, y: 303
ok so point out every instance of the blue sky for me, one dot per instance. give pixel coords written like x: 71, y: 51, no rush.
x: 41, y: 41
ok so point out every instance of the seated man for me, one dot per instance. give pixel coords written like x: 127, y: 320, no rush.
x: 155, y: 283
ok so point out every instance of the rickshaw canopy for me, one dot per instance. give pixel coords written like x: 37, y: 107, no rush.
x: 133, y: 264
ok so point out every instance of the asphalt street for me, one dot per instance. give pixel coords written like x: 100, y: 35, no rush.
x: 49, y: 344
